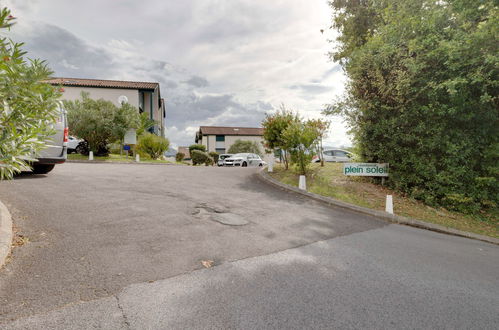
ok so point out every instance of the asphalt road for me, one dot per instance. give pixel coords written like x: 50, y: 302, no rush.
x: 121, y: 246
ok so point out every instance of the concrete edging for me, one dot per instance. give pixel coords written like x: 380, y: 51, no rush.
x: 262, y: 175
x: 5, y: 233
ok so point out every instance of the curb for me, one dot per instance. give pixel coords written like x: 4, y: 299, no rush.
x: 5, y: 233
x: 128, y: 163
x: 263, y: 176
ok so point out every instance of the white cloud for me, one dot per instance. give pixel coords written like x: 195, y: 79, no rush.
x: 218, y: 61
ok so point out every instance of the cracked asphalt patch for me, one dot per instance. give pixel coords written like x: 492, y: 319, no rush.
x: 97, y: 228
x: 219, y: 214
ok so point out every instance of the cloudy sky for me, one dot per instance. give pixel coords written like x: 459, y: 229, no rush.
x: 218, y: 62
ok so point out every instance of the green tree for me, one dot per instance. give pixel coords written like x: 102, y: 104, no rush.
x: 321, y: 126
x: 299, y: 138
x: 28, y: 106
x: 243, y: 146
x: 273, y: 127
x: 423, y: 94
x: 100, y: 122
x: 125, y: 117
x: 145, y: 123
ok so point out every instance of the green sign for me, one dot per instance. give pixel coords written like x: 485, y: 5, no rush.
x: 365, y: 169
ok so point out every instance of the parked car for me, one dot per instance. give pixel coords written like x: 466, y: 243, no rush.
x: 334, y: 155
x: 243, y: 160
x: 56, y: 150
x: 221, y: 159
x: 73, y: 143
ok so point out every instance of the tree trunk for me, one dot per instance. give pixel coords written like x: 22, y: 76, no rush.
x: 321, y: 153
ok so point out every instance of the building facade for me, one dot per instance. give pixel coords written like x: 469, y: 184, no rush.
x: 220, y: 139
x: 145, y: 96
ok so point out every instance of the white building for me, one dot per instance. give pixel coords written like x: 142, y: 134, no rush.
x: 145, y: 96
x: 219, y: 139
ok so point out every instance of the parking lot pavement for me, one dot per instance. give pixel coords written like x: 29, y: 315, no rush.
x: 392, y: 277
x: 91, y: 229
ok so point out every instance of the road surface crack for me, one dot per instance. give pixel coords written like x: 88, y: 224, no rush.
x: 125, y: 319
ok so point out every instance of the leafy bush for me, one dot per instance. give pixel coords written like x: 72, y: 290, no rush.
x: 100, y: 122
x: 152, y: 145
x: 199, y: 147
x: 27, y: 106
x: 179, y: 157
x: 242, y: 146
x: 422, y: 94
x: 200, y: 157
x: 215, y: 156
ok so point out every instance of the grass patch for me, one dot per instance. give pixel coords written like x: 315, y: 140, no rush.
x: 362, y: 191
x: 118, y: 158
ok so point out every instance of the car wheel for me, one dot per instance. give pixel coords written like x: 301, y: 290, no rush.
x: 244, y: 164
x: 260, y: 164
x: 82, y: 149
x: 42, y: 168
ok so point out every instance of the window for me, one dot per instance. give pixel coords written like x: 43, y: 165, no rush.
x: 220, y: 138
x: 328, y: 152
x: 220, y: 150
x: 340, y: 153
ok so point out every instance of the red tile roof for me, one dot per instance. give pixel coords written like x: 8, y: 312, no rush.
x: 220, y: 130
x: 77, y: 82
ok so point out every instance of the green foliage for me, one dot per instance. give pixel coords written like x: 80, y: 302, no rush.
x: 242, y: 146
x: 199, y: 147
x: 152, y: 145
x: 299, y: 138
x: 179, y: 157
x: 321, y: 127
x: 100, y: 122
x: 215, y: 156
x: 273, y: 127
x: 145, y: 123
x: 423, y: 94
x: 200, y: 157
x: 28, y: 107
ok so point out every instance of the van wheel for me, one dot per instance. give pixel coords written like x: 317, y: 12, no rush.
x: 42, y: 168
x: 244, y: 164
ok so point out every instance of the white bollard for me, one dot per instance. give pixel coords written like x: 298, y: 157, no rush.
x: 137, y: 158
x: 389, y: 204
x: 302, y: 183
x: 91, y: 155
x: 270, y: 168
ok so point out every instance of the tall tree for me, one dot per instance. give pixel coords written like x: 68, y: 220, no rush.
x: 273, y: 127
x: 423, y: 94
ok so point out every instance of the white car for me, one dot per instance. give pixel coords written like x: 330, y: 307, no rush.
x: 244, y: 160
x: 221, y: 159
x: 73, y: 143
x: 334, y: 155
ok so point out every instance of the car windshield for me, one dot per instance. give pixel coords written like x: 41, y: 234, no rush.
x: 224, y: 156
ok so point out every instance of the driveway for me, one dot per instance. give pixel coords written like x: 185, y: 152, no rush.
x: 117, y: 246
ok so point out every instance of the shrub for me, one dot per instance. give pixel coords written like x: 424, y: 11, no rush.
x: 27, y: 106
x: 152, y: 145
x: 179, y: 157
x: 241, y: 146
x: 200, y: 157
x: 199, y: 147
x: 215, y: 156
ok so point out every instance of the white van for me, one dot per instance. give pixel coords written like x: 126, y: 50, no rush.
x: 56, y: 150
